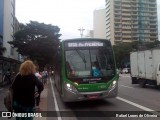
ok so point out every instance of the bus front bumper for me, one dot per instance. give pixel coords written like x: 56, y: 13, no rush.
x: 70, y: 96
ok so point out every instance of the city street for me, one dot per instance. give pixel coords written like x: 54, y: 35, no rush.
x: 103, y: 55
x: 130, y: 98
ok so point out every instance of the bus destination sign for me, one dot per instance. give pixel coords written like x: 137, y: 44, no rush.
x: 85, y: 44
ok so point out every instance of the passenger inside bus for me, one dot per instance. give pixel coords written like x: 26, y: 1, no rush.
x: 96, y: 70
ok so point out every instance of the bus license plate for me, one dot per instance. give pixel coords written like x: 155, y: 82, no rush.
x: 93, y: 96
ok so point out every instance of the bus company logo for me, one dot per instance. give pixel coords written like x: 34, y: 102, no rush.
x: 6, y: 114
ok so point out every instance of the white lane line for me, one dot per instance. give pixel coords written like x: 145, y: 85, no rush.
x: 55, y: 101
x: 125, y: 76
x: 138, y: 106
x: 126, y: 86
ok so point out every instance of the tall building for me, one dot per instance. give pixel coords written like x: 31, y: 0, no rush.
x: 8, y: 26
x: 1, y: 21
x: 131, y: 20
x: 89, y: 34
x: 99, y: 23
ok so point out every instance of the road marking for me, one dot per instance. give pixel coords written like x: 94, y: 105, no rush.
x: 124, y: 75
x: 126, y: 86
x: 138, y: 106
x: 55, y: 101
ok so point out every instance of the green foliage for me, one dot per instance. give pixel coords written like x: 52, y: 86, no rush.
x: 122, y: 50
x: 38, y: 41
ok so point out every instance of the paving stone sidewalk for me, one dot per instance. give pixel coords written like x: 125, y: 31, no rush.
x: 43, y: 103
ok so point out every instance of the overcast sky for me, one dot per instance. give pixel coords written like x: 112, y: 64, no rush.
x: 68, y: 15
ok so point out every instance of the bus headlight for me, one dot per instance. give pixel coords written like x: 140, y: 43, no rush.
x: 113, y: 84
x: 70, y: 87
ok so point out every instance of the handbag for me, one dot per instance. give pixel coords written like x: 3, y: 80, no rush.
x: 8, y: 99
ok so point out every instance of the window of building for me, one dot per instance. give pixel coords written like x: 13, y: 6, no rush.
x: 117, y: 38
x: 152, y: 9
x: 117, y: 2
x: 152, y: 0
x: 152, y: 26
x: 117, y: 7
x: 152, y: 5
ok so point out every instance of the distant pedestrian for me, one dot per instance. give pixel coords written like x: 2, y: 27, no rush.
x: 44, y: 76
x: 38, y: 75
x: 38, y: 93
x: 24, y: 89
x: 8, y: 75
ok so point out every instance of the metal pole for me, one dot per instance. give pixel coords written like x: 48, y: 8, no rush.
x: 81, y: 31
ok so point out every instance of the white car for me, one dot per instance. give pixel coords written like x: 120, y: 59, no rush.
x: 124, y: 70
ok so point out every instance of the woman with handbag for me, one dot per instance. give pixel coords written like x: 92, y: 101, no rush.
x: 24, y: 89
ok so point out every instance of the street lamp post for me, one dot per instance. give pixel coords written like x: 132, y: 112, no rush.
x: 81, y: 31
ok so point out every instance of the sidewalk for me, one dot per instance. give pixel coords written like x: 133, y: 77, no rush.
x: 43, y: 102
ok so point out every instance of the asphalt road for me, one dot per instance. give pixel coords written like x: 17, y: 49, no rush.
x: 131, y: 100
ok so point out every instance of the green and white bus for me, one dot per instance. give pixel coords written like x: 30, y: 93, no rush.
x: 85, y: 69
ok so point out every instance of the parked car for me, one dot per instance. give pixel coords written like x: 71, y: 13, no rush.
x: 125, y: 70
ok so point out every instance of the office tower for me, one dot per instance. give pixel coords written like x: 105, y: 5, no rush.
x: 8, y: 26
x: 131, y: 20
x: 99, y: 23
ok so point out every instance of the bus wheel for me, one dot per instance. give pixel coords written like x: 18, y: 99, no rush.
x: 142, y: 83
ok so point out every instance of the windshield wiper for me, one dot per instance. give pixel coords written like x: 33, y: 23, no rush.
x: 82, y: 57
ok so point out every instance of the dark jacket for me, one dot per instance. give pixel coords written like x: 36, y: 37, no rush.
x: 24, y: 89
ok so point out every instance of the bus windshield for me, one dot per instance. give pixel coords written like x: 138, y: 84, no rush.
x: 91, y: 62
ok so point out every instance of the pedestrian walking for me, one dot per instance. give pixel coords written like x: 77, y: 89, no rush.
x: 44, y: 76
x: 37, y: 92
x: 8, y: 75
x: 24, y: 89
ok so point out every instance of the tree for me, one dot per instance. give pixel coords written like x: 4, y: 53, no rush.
x: 122, y: 50
x: 38, y: 41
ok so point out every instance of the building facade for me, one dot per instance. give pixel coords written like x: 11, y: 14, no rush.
x: 99, y: 24
x: 8, y: 26
x: 131, y: 20
x: 1, y: 21
x: 89, y: 34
